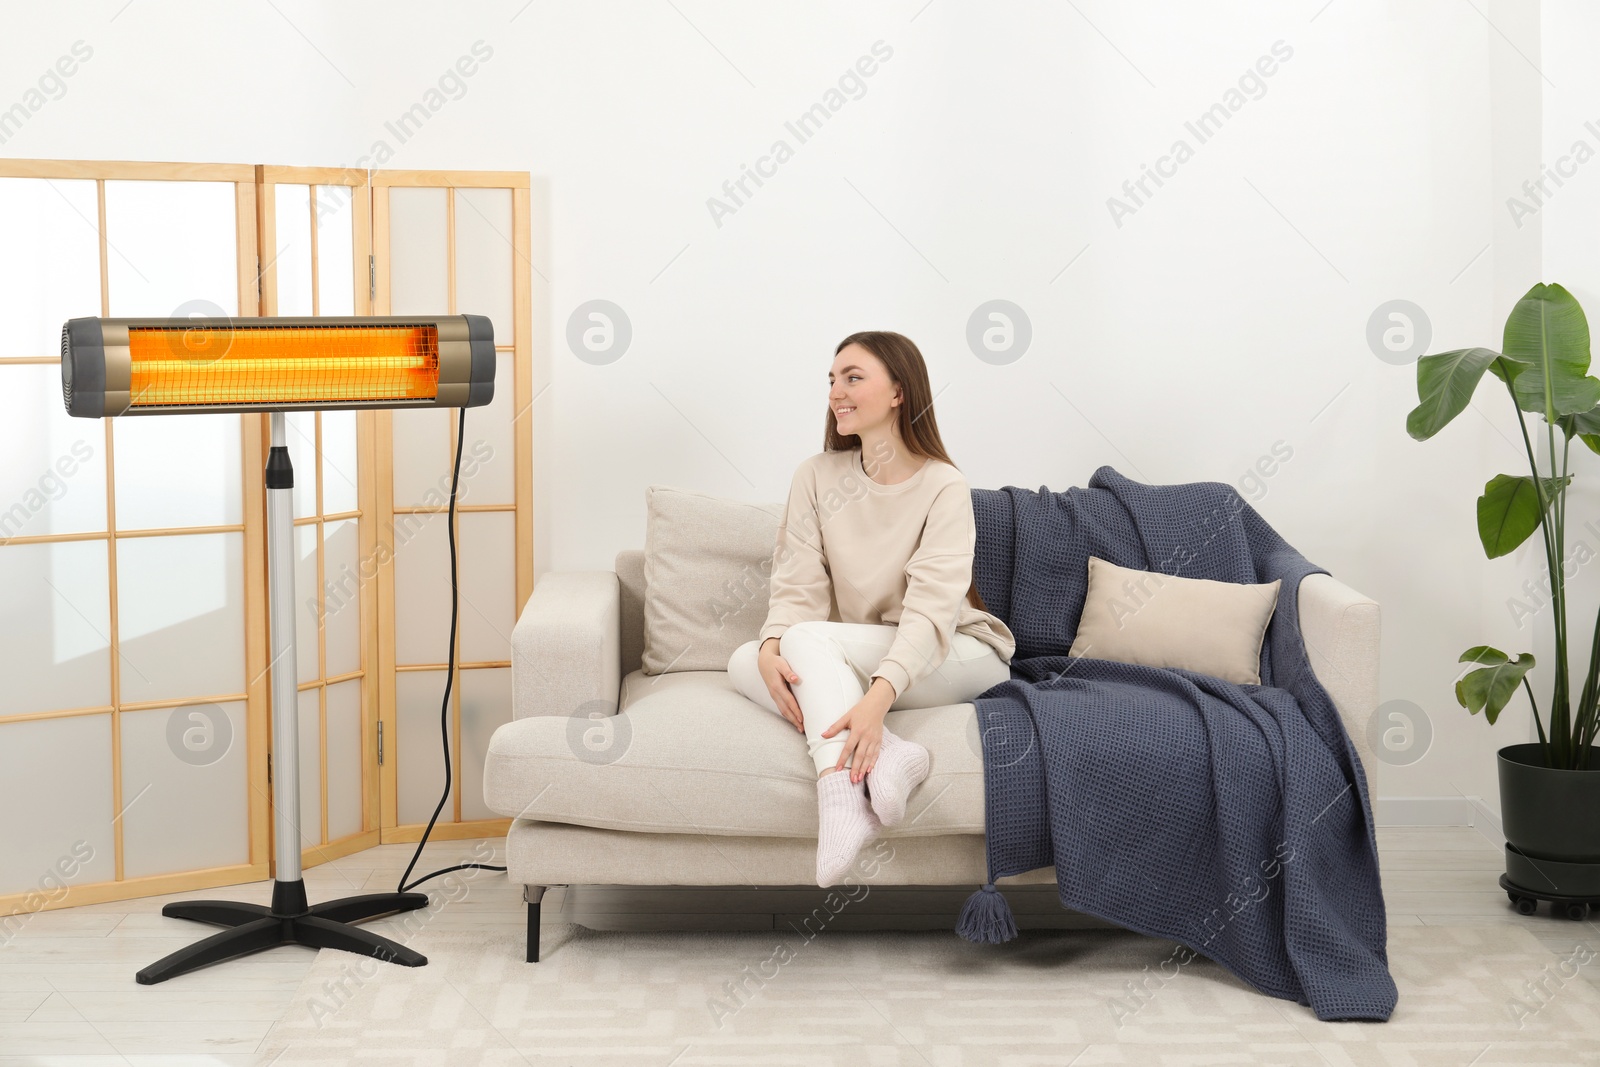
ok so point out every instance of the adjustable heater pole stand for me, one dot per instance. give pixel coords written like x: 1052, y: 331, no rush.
x: 253, y: 927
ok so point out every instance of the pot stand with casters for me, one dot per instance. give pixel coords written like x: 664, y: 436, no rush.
x: 1581, y: 880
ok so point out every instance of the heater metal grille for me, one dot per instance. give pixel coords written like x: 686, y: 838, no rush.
x: 245, y: 364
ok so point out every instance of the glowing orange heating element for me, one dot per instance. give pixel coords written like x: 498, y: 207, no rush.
x: 243, y: 364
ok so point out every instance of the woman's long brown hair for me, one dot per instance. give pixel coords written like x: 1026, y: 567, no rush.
x: 918, y: 427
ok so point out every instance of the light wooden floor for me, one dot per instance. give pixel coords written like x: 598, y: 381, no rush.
x: 68, y: 996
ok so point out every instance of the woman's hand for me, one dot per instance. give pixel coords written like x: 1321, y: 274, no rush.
x: 778, y: 675
x: 865, y: 723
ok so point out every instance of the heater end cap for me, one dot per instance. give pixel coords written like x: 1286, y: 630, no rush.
x: 83, y: 368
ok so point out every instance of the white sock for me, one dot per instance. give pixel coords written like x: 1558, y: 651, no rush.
x: 845, y: 822
x: 901, y: 767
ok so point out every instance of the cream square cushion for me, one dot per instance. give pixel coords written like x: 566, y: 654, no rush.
x: 707, y: 572
x: 1158, y: 620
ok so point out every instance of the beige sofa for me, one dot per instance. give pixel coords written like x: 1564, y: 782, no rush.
x: 615, y: 777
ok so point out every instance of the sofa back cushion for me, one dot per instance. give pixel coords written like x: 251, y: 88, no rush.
x: 707, y: 570
x: 1159, y: 620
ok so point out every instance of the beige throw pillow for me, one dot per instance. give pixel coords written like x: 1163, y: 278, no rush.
x: 1158, y: 620
x: 707, y: 571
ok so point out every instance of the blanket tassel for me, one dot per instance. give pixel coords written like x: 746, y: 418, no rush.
x: 986, y: 917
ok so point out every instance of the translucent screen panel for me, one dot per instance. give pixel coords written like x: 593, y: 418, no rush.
x: 344, y: 759
x: 418, y: 270
x: 483, y: 257
x: 485, y: 705
x: 342, y: 621
x: 489, y: 468
x: 336, y: 208
x: 291, y: 254
x: 51, y: 268
x: 171, y: 248
x: 300, y: 434
x: 184, y: 789
x: 488, y: 583
x: 178, y: 470
x: 53, y: 479
x: 339, y: 462
x: 421, y: 589
x: 180, y: 603
x: 422, y: 470
x: 55, y: 627
x: 420, y: 770
x: 55, y: 791
x: 310, y: 768
x: 306, y: 601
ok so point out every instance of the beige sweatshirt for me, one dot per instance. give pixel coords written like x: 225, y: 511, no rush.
x: 852, y: 550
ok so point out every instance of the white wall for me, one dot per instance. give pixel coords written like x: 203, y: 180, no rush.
x: 1227, y: 313
x: 1568, y: 218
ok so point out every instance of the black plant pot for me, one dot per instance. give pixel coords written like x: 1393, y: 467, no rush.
x: 1551, y: 819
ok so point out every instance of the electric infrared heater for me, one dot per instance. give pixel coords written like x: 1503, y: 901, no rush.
x: 134, y: 366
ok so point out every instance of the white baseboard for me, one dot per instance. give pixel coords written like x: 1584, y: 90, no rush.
x: 1423, y: 811
x: 1439, y: 811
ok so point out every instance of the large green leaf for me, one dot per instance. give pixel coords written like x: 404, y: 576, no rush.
x: 1586, y: 425
x: 1508, y: 510
x: 1547, y: 331
x: 1504, y: 366
x: 1446, y: 382
x: 1567, y: 394
x: 1489, y: 688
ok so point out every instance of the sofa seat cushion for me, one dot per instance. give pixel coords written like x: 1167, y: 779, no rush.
x: 688, y: 753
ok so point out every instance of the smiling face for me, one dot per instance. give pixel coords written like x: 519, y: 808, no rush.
x: 860, y: 394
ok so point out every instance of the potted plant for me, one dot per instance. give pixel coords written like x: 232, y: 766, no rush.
x: 1549, y: 789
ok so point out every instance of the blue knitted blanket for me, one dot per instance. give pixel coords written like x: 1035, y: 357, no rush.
x: 1232, y: 819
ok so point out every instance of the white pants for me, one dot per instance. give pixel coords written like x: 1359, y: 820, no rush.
x: 835, y: 661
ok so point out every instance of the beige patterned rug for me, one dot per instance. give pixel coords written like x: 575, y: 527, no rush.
x: 1470, y: 996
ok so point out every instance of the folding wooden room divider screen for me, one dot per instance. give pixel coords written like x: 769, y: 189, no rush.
x: 134, y: 733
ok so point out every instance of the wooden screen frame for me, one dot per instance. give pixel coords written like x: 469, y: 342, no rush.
x: 268, y: 178
x: 522, y: 326
x: 253, y: 528
x: 255, y: 224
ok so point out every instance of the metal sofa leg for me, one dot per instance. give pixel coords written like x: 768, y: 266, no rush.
x: 533, y: 894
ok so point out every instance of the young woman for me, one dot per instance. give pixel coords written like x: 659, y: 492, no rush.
x: 872, y: 606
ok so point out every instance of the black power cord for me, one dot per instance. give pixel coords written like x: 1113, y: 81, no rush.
x: 449, y: 680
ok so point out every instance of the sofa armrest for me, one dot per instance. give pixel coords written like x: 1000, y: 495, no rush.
x: 1341, y: 631
x: 566, y: 653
